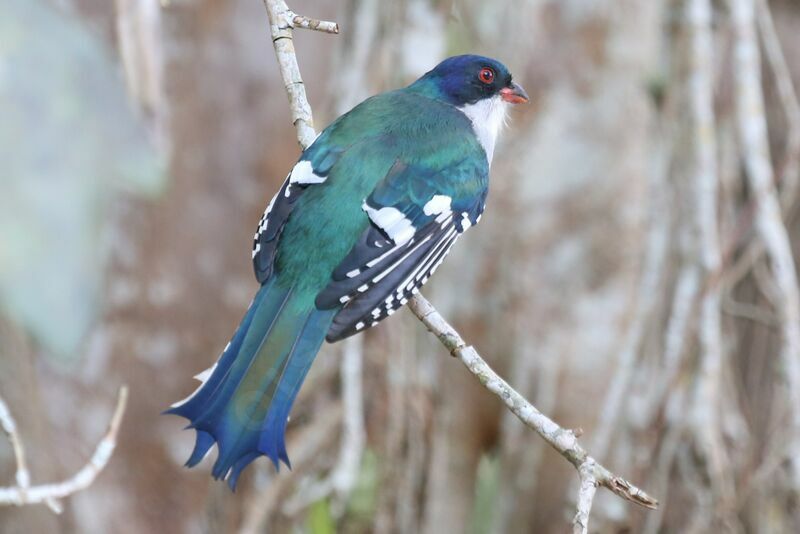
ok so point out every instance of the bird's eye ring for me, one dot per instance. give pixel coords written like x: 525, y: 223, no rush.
x: 486, y: 75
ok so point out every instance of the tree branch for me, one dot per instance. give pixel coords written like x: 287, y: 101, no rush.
x: 752, y: 124
x: 23, y: 476
x: 580, y: 523
x: 23, y: 493
x: 299, y: 21
x: 281, y: 22
x: 563, y: 440
x: 787, y: 177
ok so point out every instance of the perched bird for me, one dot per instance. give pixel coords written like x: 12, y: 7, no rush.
x: 363, y: 219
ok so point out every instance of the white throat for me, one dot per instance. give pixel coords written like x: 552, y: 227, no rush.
x: 487, y: 117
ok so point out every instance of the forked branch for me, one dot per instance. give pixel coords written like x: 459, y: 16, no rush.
x: 23, y: 493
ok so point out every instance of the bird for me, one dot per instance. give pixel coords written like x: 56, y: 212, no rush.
x: 361, y: 222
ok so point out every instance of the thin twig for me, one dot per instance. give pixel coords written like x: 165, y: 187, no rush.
x: 49, y: 493
x: 580, y: 523
x: 563, y: 440
x: 299, y: 21
x: 281, y: 22
x: 787, y: 178
x: 23, y: 476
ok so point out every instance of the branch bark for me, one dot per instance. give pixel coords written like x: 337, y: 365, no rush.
x: 704, y: 180
x: 281, y: 22
x: 562, y: 440
x: 23, y: 493
x: 588, y: 487
x: 752, y: 126
x: 9, y: 426
x: 787, y: 177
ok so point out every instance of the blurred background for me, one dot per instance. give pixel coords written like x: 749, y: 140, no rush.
x: 634, y: 275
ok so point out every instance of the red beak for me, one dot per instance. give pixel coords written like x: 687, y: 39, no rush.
x: 514, y: 94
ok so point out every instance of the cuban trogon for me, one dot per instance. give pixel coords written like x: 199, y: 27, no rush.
x: 361, y: 222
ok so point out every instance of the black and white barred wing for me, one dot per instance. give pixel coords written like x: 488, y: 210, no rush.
x: 390, y: 262
x: 312, y: 168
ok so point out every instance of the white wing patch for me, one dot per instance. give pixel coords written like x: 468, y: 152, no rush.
x: 392, y: 221
x: 436, y: 205
x: 303, y: 174
x: 465, y: 222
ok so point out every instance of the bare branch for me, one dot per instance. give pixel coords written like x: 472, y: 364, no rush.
x: 768, y: 220
x: 49, y: 494
x: 299, y: 21
x: 703, y: 178
x: 23, y: 476
x: 790, y: 167
x: 281, y: 22
x: 563, y: 440
x: 788, y: 175
x: 580, y: 523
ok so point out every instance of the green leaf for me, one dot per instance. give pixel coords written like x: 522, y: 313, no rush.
x: 320, y: 520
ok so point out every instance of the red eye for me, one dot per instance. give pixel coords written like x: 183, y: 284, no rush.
x: 486, y: 75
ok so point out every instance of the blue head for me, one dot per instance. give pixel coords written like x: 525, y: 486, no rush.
x: 463, y: 80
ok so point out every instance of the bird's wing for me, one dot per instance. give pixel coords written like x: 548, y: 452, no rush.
x: 416, y: 213
x: 313, y: 168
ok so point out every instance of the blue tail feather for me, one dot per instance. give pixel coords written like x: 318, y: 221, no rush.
x: 242, y: 418
x: 244, y: 405
x: 269, y: 307
x: 190, y: 407
x: 202, y: 445
x: 238, y: 467
x: 273, y: 443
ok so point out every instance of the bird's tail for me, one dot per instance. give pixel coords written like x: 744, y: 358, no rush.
x: 244, y: 400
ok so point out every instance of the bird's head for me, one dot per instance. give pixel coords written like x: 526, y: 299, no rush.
x: 468, y: 79
x: 480, y: 87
